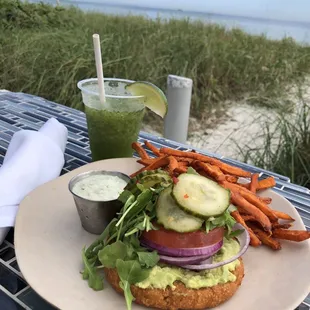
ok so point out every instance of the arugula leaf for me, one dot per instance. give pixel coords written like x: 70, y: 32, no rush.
x: 131, y: 250
x: 142, y: 200
x: 150, y: 206
x: 141, y: 187
x: 236, y: 233
x: 85, y: 274
x: 136, y: 207
x: 148, y: 259
x: 131, y: 199
x: 125, y: 213
x: 208, y: 226
x: 130, y: 272
x: 124, y: 196
x: 109, y: 254
x: 134, y: 241
x: 131, y: 232
x: 145, y: 224
x: 129, y: 202
x: 95, y: 281
x: 139, y: 226
x: 224, y: 219
x: 132, y: 244
x: 230, y: 222
x: 125, y: 285
x: 101, y: 239
x: 126, y: 227
x: 157, y: 190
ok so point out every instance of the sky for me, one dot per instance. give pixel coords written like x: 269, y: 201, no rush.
x: 292, y: 10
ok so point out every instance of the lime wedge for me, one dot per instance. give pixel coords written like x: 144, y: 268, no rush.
x: 155, y: 99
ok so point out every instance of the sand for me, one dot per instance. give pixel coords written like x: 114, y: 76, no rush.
x: 243, y: 125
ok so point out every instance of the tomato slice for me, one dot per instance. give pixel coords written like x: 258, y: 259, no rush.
x: 173, y: 239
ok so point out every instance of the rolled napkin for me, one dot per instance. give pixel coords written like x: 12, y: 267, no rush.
x: 32, y: 158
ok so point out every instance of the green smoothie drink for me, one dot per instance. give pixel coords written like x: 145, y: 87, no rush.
x: 114, y: 125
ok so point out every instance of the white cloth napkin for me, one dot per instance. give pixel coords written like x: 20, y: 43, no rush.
x: 32, y: 158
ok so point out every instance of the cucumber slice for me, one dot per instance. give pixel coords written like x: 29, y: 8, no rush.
x: 200, y: 196
x: 172, y: 217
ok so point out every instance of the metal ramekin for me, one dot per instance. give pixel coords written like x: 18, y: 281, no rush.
x: 96, y: 215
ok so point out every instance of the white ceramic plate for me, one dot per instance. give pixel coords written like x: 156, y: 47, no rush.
x: 49, y: 239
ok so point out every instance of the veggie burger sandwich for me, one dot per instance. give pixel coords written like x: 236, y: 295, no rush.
x: 173, y: 245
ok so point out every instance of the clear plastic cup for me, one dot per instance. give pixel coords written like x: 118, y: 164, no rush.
x: 112, y: 127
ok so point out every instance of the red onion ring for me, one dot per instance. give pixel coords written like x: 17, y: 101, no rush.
x: 183, y: 252
x: 244, y: 240
x: 180, y: 261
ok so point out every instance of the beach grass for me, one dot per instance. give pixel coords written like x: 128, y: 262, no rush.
x: 286, y: 145
x: 45, y: 50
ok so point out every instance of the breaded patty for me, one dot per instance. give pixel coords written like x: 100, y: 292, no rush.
x: 181, y: 297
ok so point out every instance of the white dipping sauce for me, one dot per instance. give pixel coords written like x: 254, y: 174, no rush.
x: 99, y: 187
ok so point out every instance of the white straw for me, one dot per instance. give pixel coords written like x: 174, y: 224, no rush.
x: 96, y: 41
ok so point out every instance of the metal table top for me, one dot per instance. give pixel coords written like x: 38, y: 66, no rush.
x: 24, y: 111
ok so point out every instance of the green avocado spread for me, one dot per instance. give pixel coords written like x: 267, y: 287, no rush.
x: 164, y: 276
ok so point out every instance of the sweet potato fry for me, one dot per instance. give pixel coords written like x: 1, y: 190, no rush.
x: 181, y: 169
x: 227, y: 169
x: 254, y: 241
x: 212, y: 171
x: 265, y: 238
x: 252, y: 198
x: 239, y: 187
x: 262, y: 184
x: 266, y: 200
x: 244, y: 185
x: 140, y: 150
x: 260, y: 217
x: 279, y: 225
x: 203, y: 173
x: 231, y: 178
x: 146, y: 161
x: 254, y: 182
x: 158, y: 163
x: 185, y: 159
x: 218, y: 172
x: 195, y: 165
x: 173, y: 164
x: 292, y: 235
x: 249, y: 218
x: 283, y: 216
x: 183, y: 164
x: 275, y: 225
x: 152, y: 148
x: 260, y: 205
x: 266, y: 183
x: 242, y: 211
x: 137, y: 172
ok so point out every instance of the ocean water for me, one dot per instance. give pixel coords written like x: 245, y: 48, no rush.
x: 277, y: 28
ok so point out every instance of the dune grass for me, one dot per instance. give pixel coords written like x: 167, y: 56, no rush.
x: 286, y: 146
x: 45, y: 50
